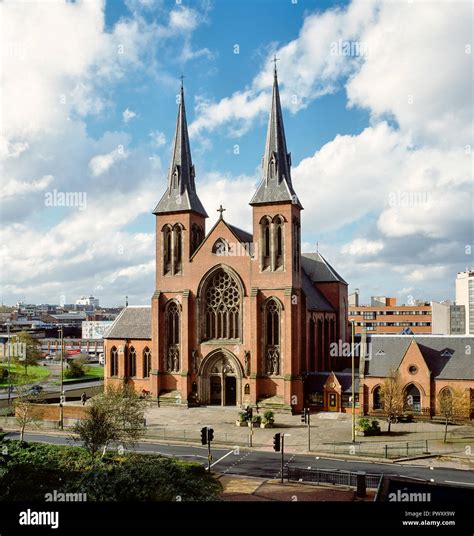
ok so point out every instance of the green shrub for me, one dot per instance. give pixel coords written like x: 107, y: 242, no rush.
x: 368, y: 426
x: 76, y: 369
x: 242, y: 416
x: 269, y: 417
x: 30, y: 470
x: 256, y: 419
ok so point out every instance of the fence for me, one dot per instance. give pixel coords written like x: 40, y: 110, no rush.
x: 334, y: 477
x: 394, y: 449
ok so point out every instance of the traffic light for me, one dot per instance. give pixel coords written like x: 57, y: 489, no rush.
x: 249, y: 413
x: 210, y: 434
x: 204, y: 435
x: 305, y: 415
x: 277, y: 442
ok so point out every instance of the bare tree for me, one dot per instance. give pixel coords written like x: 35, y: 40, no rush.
x: 23, y: 408
x: 116, y: 415
x: 392, y: 397
x: 454, y: 405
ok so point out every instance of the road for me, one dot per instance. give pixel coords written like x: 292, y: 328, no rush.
x: 267, y: 464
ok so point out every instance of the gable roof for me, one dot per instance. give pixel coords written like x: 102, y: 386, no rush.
x: 134, y: 322
x: 318, y: 269
x: 241, y: 235
x: 315, y: 301
x: 387, y: 352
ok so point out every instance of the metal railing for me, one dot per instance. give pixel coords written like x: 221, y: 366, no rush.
x: 334, y: 477
x: 393, y: 449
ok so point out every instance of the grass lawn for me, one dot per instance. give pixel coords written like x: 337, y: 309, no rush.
x: 93, y: 373
x: 35, y: 374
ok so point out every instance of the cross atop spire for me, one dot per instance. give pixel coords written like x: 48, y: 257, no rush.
x: 276, y: 183
x: 274, y: 61
x: 181, y: 192
x: 221, y: 211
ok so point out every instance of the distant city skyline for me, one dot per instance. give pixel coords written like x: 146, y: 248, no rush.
x: 378, y: 119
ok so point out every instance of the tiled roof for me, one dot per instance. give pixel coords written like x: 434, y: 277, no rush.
x: 315, y: 301
x: 318, y: 268
x: 134, y: 322
x: 447, y: 357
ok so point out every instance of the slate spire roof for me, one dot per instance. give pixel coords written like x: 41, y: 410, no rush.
x: 181, y: 192
x: 276, y: 186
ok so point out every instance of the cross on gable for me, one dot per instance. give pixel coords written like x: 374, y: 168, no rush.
x: 221, y: 210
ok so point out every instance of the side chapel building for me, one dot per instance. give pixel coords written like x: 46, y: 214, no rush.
x: 235, y: 318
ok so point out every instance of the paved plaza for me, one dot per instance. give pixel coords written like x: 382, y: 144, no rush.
x: 330, y: 433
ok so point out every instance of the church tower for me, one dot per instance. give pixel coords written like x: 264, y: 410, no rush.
x: 180, y: 230
x: 277, y: 274
x: 179, y: 212
x: 276, y: 207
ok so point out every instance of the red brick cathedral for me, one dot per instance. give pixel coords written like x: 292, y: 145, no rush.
x: 236, y: 318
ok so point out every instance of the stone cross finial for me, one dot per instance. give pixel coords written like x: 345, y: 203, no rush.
x: 221, y: 210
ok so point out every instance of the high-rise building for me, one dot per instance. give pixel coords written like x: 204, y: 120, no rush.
x: 465, y: 296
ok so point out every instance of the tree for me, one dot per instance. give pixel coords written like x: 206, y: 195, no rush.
x: 31, y: 350
x: 392, y: 397
x: 116, y: 415
x: 76, y: 368
x: 23, y: 405
x: 454, y: 405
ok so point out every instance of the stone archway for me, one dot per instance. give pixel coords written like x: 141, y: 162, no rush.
x: 220, y: 379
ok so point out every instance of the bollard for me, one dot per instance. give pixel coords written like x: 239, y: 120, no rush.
x: 361, y: 484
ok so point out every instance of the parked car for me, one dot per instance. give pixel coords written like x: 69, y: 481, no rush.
x: 35, y: 390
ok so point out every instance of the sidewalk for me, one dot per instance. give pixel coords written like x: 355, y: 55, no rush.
x: 237, y: 488
x: 330, y: 433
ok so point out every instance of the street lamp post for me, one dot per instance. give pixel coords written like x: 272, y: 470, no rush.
x: 61, y: 410
x: 353, y: 379
x: 8, y: 359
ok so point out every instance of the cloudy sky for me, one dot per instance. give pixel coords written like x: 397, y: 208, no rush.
x: 378, y: 117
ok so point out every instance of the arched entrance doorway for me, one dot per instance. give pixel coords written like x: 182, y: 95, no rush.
x: 220, y: 379
x: 413, y: 398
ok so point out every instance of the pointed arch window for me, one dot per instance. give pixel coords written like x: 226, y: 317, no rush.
x: 197, y: 234
x: 146, y: 362
x: 220, y: 247
x: 167, y: 249
x: 178, y: 248
x: 132, y: 362
x: 377, y: 398
x: 222, y: 307
x: 113, y: 361
x: 266, y: 242
x: 272, y: 323
x: 278, y: 223
x: 173, y: 317
x: 296, y: 245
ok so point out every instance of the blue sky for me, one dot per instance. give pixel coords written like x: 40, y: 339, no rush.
x: 378, y: 135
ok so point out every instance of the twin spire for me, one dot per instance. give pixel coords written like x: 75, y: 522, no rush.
x: 181, y: 192
x: 275, y: 187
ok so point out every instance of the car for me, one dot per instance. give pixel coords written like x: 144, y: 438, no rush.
x: 35, y: 390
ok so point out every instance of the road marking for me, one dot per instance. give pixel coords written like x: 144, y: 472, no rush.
x: 454, y: 482
x: 225, y: 456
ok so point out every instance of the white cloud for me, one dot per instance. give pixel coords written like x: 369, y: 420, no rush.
x: 361, y: 246
x: 157, y: 138
x: 12, y: 188
x: 307, y: 70
x: 103, y: 162
x: 419, y: 73
x: 127, y: 115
